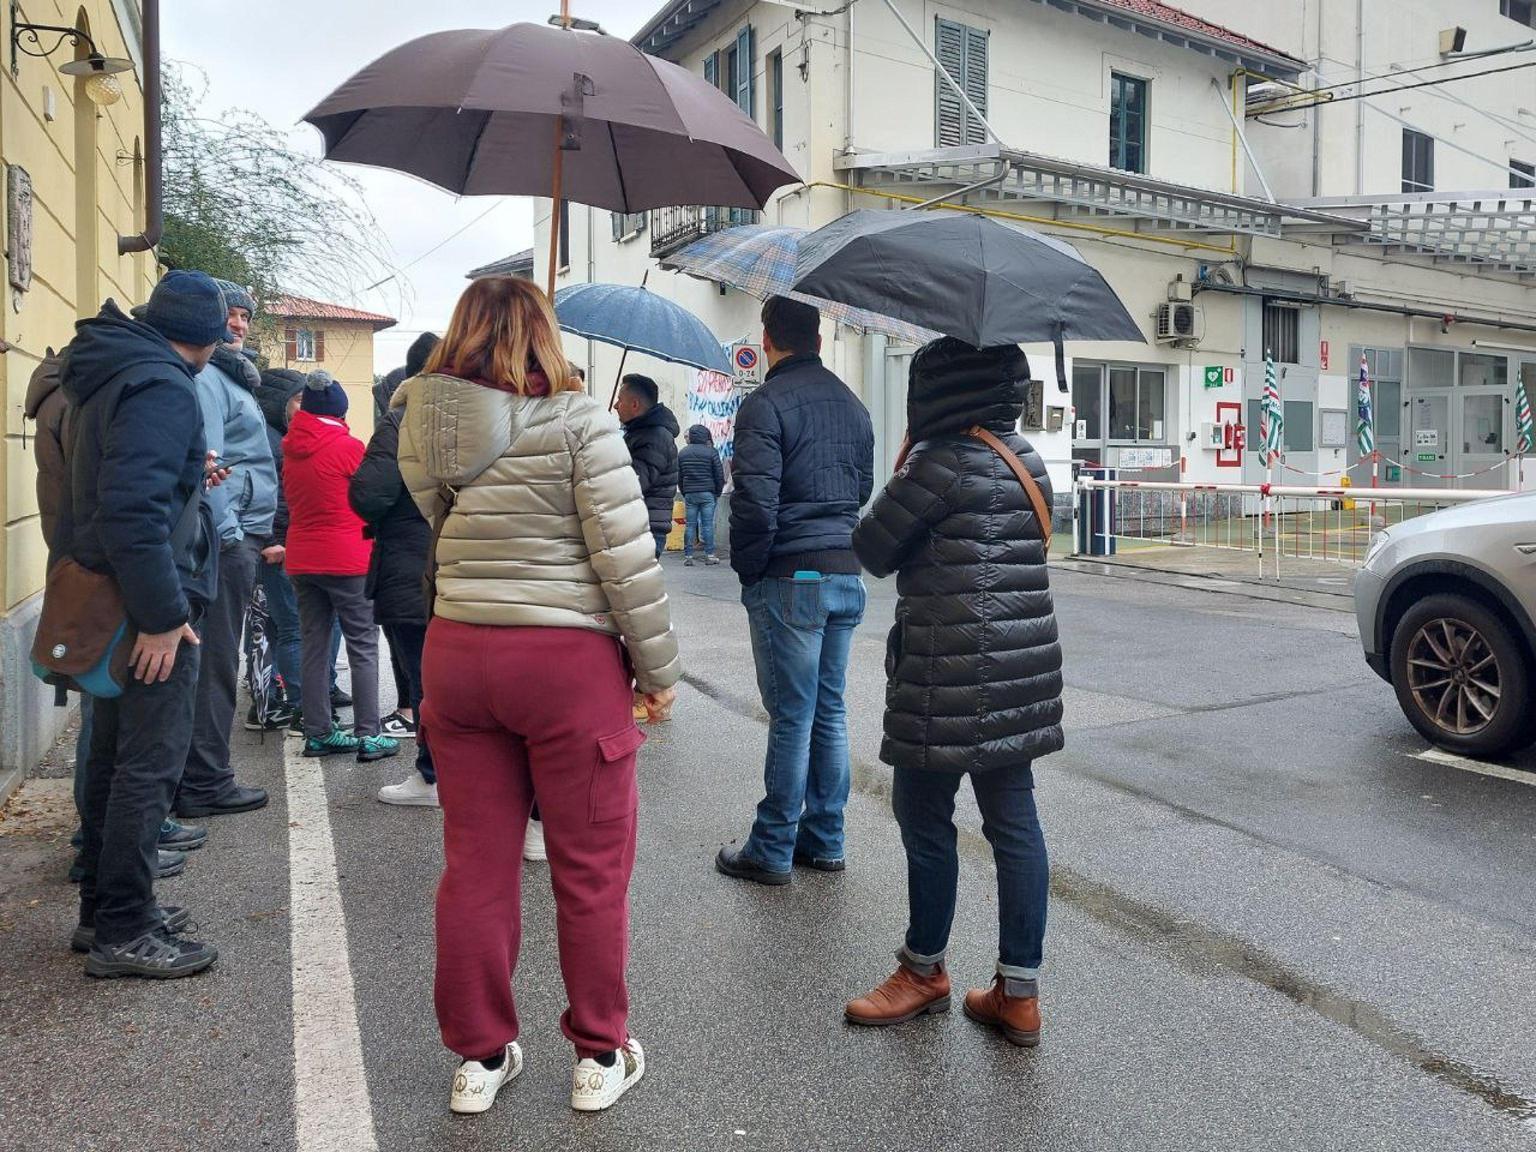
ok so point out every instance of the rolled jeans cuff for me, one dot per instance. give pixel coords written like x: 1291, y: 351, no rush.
x: 1020, y: 983
x: 921, y: 965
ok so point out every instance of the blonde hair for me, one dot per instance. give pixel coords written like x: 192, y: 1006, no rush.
x: 502, y: 329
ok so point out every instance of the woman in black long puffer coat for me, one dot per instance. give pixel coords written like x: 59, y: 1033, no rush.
x: 974, y: 674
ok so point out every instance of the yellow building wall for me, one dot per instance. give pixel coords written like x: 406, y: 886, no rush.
x: 79, y: 209
x: 348, y: 357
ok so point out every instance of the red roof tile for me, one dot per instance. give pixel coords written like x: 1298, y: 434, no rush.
x: 1156, y: 10
x: 300, y: 308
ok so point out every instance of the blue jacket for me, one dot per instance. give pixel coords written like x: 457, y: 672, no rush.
x: 245, y: 504
x: 135, y: 465
x: 804, y: 466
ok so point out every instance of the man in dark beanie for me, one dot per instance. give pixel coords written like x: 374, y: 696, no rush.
x: 243, y: 513
x: 134, y: 509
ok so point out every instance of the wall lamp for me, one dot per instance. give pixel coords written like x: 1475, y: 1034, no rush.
x: 100, y: 72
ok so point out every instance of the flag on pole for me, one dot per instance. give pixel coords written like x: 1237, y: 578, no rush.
x: 1365, y: 423
x: 1273, y: 415
x: 1524, y: 429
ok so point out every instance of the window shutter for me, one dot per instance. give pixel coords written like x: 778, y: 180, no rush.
x: 319, y: 345
x: 746, y: 92
x: 975, y: 82
x: 290, y: 345
x: 949, y: 47
x: 711, y: 69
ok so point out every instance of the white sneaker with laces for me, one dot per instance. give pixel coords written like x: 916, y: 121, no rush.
x: 412, y: 791
x: 533, y: 842
x: 595, y: 1088
x: 475, y: 1086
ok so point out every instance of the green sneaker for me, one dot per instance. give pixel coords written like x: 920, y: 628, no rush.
x: 371, y: 748
x: 334, y: 743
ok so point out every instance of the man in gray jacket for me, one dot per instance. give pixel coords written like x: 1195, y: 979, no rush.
x: 243, y: 509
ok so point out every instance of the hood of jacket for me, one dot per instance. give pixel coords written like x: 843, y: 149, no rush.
x: 107, y: 343
x: 384, y: 390
x: 310, y: 435
x: 699, y: 434
x: 461, y: 427
x: 277, y: 387
x: 953, y: 386
x: 237, y: 365
x: 658, y: 417
x: 44, y: 383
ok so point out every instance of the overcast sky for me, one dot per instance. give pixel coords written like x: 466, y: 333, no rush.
x: 282, y: 57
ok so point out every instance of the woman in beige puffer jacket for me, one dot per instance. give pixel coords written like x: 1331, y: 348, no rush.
x: 550, y: 613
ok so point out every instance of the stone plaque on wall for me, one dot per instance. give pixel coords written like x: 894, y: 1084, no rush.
x: 18, y: 214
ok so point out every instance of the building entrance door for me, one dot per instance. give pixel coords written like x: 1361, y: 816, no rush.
x: 1427, y: 449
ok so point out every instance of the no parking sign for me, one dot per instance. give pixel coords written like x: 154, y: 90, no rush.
x: 748, y: 360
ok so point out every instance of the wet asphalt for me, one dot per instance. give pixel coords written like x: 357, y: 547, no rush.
x: 1272, y: 927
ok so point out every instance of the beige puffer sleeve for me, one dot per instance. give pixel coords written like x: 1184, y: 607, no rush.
x: 425, y: 491
x: 618, y: 535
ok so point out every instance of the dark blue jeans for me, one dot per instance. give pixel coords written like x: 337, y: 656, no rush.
x: 925, y: 809
x: 139, y: 743
x: 802, y: 632
x: 701, y: 522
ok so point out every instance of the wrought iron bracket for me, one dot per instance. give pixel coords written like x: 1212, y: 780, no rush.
x: 24, y: 34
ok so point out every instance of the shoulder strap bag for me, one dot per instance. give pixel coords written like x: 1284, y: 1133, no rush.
x: 1031, y: 486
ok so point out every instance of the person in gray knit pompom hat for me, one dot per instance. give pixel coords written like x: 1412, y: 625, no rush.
x: 323, y: 396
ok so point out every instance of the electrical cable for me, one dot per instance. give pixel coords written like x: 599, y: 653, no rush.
x: 438, y: 246
x: 1284, y: 106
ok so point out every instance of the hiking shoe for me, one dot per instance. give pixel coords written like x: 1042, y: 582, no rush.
x: 533, y: 842
x: 475, y: 1086
x: 594, y: 1087
x: 735, y: 862
x: 372, y: 748
x: 398, y: 727
x: 156, y: 955
x: 333, y: 743
x: 172, y: 919
x: 340, y: 699
x: 170, y: 864
x: 413, y: 791
x: 711, y: 561
x: 178, y: 837
x: 238, y: 799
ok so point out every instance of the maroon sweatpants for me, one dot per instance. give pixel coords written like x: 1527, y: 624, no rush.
x: 517, y: 714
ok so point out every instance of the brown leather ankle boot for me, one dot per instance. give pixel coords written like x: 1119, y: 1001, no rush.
x: 1016, y: 1017
x: 905, y: 996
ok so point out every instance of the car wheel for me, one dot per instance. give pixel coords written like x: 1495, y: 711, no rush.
x: 1462, y: 678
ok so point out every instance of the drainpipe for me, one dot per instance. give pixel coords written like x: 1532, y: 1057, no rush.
x: 154, y: 187
x: 1359, y: 104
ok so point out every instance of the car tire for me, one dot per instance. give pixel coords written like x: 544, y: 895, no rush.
x: 1462, y: 677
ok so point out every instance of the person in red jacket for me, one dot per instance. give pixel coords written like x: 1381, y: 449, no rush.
x: 327, y: 560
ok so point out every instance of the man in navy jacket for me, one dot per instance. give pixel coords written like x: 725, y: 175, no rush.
x: 804, y: 467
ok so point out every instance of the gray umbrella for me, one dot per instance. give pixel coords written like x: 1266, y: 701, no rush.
x: 529, y: 110
x: 963, y: 275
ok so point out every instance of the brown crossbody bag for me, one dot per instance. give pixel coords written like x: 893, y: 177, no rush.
x: 1031, y: 485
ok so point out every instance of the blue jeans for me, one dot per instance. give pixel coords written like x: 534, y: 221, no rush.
x: 283, y: 607
x: 924, y: 802
x: 701, y: 522
x: 802, y: 632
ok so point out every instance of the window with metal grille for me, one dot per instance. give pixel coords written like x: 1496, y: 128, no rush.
x: 1418, y: 161
x: 1282, y: 333
x: 1127, y: 123
x: 1520, y: 11
x: 1522, y: 175
x: 628, y: 225
x: 962, y: 51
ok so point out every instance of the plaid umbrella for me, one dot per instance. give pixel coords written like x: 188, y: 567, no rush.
x: 1273, y: 414
x: 759, y: 259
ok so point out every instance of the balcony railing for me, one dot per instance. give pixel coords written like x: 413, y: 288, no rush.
x: 673, y: 228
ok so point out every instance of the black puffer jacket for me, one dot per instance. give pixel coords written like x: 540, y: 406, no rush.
x: 698, y: 464
x: 973, y: 663
x: 652, y: 442
x: 401, y: 538
x: 277, y: 387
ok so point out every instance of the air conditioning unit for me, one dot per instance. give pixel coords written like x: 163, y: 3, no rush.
x: 1178, y: 323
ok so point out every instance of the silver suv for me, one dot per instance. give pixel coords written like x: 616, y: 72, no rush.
x: 1446, y: 604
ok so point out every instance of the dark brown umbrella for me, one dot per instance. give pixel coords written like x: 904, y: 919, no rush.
x: 537, y: 111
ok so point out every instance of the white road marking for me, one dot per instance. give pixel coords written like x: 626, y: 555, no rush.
x: 1451, y: 760
x: 330, y: 1086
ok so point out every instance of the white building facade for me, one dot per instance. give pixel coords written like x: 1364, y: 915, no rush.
x: 1114, y: 125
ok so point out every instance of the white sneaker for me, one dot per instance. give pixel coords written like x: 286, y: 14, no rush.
x: 596, y: 1088
x: 533, y: 842
x: 413, y: 790
x: 475, y: 1086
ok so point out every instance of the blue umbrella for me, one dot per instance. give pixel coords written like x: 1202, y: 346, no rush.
x: 639, y: 321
